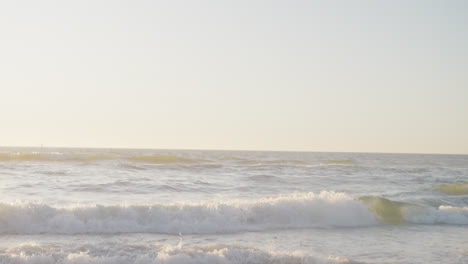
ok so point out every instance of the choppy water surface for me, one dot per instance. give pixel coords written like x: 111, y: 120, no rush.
x: 175, y: 206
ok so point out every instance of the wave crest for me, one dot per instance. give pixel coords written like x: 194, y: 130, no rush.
x: 327, y: 209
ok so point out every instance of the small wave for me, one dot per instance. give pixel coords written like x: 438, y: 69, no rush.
x: 325, y: 165
x: 16, y: 156
x: 341, y: 161
x: 263, y: 177
x: 161, y: 159
x: 53, y: 173
x: 51, y: 156
x: 453, y: 189
x: 94, y: 157
x: 286, y: 161
x: 209, y: 166
x: 391, y: 212
x: 157, y: 254
x: 131, y: 167
x: 290, y: 165
x: 233, y: 158
x: 386, y: 211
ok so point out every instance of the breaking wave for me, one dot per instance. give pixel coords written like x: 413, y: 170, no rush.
x: 145, y: 254
x: 324, y: 210
x: 327, y: 209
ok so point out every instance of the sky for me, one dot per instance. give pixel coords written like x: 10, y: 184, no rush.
x: 347, y: 76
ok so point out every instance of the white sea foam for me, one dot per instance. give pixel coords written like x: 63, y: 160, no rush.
x: 327, y: 209
x: 220, y: 254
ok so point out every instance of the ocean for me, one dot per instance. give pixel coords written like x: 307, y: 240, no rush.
x: 62, y: 205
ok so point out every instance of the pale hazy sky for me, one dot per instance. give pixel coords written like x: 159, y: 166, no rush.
x: 360, y: 76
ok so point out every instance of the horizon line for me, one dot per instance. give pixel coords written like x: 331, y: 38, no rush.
x: 247, y: 150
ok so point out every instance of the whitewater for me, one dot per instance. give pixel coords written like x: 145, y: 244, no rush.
x: 61, y: 205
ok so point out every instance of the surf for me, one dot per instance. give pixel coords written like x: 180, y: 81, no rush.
x: 327, y: 209
x: 148, y: 254
x: 324, y: 210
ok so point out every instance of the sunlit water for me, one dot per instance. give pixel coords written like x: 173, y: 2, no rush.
x: 174, y: 206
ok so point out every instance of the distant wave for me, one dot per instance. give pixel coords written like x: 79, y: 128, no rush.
x: 342, y: 161
x: 51, y: 156
x: 330, y: 165
x: 53, y: 173
x: 318, y: 165
x: 453, y: 189
x: 86, y: 157
x: 146, y: 254
x: 324, y: 210
x: 160, y: 159
x: 131, y: 167
x: 21, y: 157
x: 264, y: 177
x: 234, y: 158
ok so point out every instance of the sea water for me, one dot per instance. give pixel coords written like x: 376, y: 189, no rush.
x: 190, y: 206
